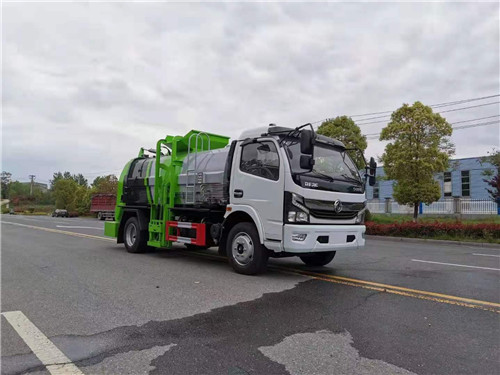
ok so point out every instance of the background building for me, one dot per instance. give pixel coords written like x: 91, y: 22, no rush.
x: 464, y: 179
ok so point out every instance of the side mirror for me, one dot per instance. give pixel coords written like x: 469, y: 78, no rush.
x: 306, y: 142
x: 372, y: 180
x: 373, y: 167
x: 306, y: 162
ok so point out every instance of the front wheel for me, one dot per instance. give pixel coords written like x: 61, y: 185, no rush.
x: 318, y: 259
x: 134, y: 239
x: 99, y: 216
x: 244, y: 250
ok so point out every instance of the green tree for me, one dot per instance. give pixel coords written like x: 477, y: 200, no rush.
x: 492, y: 175
x: 56, y: 177
x: 345, y: 130
x: 80, y: 179
x: 418, y: 148
x: 18, y: 190
x: 6, y: 178
x: 105, y: 184
x: 65, y: 193
x: 82, y: 200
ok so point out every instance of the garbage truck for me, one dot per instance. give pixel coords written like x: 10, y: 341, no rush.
x: 273, y: 192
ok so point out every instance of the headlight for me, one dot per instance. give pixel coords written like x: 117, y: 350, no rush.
x: 298, y: 201
x: 302, y: 217
x: 360, y: 219
x: 295, y: 210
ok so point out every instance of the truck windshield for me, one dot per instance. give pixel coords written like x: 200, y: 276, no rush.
x: 329, y: 163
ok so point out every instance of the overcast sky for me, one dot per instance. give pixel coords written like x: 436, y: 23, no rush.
x: 86, y: 85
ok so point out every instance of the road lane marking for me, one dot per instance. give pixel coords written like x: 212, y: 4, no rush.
x: 78, y: 227
x: 393, y: 289
x: 52, y: 358
x: 486, y: 255
x: 456, y: 265
x: 408, y: 292
x: 61, y: 231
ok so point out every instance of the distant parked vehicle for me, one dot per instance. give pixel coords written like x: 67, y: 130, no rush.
x: 103, y: 205
x: 60, y: 213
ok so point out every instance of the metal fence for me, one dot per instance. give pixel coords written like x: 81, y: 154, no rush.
x: 464, y: 206
x: 376, y: 207
x: 442, y: 207
x: 397, y: 208
x: 474, y: 206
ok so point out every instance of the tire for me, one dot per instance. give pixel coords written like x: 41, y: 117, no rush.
x: 99, y: 216
x: 245, y: 252
x: 318, y: 259
x: 134, y: 239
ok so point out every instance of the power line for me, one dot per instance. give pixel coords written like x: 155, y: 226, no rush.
x: 474, y: 106
x: 438, y: 105
x: 450, y: 110
x: 476, y: 125
x: 375, y: 135
x: 446, y: 104
x: 460, y: 122
x: 475, y: 119
x: 385, y: 121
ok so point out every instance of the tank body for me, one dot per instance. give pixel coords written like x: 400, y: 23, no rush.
x: 202, y: 181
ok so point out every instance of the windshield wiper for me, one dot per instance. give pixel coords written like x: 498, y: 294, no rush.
x: 331, y: 179
x: 353, y: 179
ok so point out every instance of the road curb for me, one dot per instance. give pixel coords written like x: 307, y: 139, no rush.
x: 440, y: 242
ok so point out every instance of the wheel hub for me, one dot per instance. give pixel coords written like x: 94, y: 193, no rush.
x: 131, y: 234
x: 242, y: 249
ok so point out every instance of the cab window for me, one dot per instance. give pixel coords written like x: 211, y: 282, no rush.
x: 260, y: 159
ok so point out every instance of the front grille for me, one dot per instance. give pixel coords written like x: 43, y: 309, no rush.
x: 324, y: 209
x: 324, y: 214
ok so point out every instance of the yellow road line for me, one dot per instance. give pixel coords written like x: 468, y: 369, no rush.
x: 393, y: 289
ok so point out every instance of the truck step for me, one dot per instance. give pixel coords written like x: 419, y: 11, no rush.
x: 200, y: 229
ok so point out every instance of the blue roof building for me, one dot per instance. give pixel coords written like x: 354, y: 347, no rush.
x: 464, y: 179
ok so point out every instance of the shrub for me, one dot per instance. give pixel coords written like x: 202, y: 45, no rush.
x: 368, y: 215
x: 435, y: 229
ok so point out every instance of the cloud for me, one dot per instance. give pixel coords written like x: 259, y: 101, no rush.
x: 86, y: 85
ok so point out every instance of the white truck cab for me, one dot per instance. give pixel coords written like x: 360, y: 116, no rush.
x: 302, y: 191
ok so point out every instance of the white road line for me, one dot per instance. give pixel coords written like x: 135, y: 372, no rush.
x: 78, y: 227
x: 456, y: 265
x: 486, y: 255
x: 55, y: 360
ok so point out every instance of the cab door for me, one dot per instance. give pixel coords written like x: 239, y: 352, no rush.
x: 257, y: 181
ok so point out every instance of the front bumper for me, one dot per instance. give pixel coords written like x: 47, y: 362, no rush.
x: 323, y: 237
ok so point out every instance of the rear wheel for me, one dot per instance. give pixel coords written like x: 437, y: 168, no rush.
x: 134, y: 239
x: 318, y: 259
x: 244, y: 250
x: 99, y: 216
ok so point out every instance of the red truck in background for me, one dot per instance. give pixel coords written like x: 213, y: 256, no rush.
x: 103, y: 205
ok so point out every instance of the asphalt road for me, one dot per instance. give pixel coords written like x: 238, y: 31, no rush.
x: 176, y: 312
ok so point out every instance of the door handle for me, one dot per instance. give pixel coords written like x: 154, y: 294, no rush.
x: 238, y: 193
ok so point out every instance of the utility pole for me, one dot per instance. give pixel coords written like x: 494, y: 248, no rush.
x: 32, y: 178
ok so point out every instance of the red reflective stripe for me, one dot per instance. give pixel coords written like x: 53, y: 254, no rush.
x: 200, y: 229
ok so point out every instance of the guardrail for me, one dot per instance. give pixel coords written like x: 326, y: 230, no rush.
x: 463, y: 206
